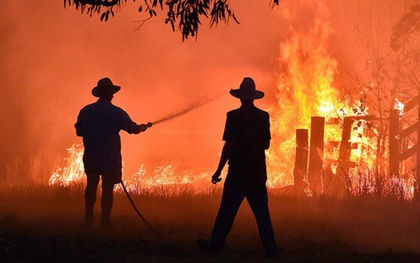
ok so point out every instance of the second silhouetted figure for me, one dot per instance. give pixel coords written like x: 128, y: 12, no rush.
x: 246, y: 136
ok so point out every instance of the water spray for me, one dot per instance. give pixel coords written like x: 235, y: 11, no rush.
x: 182, y: 112
x: 143, y: 128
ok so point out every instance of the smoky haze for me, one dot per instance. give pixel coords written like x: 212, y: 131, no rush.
x: 52, y: 57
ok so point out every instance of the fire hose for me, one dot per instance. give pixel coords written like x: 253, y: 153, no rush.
x: 145, y: 221
x: 144, y: 127
x: 138, y: 211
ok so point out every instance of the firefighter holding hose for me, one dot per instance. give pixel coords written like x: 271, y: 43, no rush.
x: 99, y: 124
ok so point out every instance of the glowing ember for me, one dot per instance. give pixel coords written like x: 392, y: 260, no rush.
x: 166, y: 176
x: 399, y: 106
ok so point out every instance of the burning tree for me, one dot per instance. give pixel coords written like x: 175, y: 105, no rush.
x: 361, y: 106
x: 404, y: 41
x: 185, y: 14
x: 389, y: 82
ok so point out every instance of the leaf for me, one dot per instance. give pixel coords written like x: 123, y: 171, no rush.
x: 103, y: 16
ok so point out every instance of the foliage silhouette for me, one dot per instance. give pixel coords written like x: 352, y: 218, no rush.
x: 184, y: 14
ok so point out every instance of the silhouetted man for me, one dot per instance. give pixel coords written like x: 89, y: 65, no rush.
x: 99, y: 124
x: 246, y: 136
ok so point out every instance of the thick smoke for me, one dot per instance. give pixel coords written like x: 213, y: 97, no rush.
x: 52, y: 57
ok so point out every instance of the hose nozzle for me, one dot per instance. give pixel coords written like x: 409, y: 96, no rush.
x: 144, y: 127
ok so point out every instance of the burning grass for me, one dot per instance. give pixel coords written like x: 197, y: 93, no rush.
x: 40, y: 222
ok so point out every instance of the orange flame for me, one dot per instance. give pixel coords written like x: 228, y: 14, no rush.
x: 73, y: 171
x: 305, y: 88
x: 161, y: 177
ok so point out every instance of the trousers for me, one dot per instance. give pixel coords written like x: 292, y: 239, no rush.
x: 108, y: 181
x: 233, y: 195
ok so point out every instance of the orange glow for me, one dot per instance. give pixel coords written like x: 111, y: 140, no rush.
x: 73, y: 171
x: 305, y: 86
x: 398, y: 105
x: 163, y: 179
x: 305, y: 89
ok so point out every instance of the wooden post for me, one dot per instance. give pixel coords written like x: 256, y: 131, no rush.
x: 316, y: 154
x: 345, y: 148
x: 416, y: 181
x: 336, y: 184
x: 301, y: 160
x: 394, y: 144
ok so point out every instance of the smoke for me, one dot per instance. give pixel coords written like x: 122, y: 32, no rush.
x: 52, y: 57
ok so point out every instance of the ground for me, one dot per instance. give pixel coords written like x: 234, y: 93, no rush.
x: 41, y: 224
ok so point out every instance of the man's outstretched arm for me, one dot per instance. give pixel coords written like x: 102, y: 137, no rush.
x: 142, y: 127
x: 126, y: 124
x: 226, y: 153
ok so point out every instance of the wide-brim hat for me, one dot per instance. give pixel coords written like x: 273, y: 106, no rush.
x: 247, y: 90
x: 105, y: 88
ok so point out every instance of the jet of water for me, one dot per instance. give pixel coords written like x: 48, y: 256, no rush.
x: 184, y: 111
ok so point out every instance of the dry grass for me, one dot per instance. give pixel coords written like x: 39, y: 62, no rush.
x: 41, y: 223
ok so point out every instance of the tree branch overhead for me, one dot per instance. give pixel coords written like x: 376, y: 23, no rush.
x: 184, y: 15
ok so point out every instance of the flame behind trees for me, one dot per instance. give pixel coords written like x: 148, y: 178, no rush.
x: 390, y: 77
x: 306, y: 88
x: 405, y: 42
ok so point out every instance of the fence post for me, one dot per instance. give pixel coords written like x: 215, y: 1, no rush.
x: 301, y: 160
x: 416, y: 181
x: 345, y: 148
x: 316, y: 154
